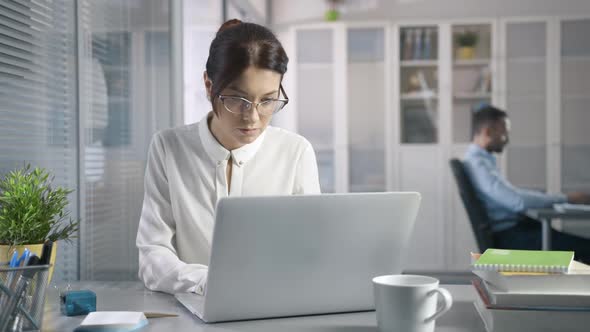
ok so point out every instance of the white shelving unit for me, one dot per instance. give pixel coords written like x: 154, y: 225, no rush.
x: 574, y: 79
x: 472, y: 62
x: 341, y: 99
x: 418, y: 63
x: 419, y: 95
x: 472, y: 95
x: 381, y: 118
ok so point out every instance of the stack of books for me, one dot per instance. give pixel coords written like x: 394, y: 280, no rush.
x: 525, y: 290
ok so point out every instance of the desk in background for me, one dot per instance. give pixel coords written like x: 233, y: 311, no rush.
x: 546, y: 215
x: 132, y: 296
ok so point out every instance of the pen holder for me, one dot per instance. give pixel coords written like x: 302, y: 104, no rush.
x: 22, y: 297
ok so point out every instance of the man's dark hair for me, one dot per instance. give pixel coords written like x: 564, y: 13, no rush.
x: 486, y: 116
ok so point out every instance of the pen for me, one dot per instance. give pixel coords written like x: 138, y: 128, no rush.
x: 10, y: 278
x: 158, y: 315
x: 37, y: 306
x: 23, y: 259
x: 46, y: 253
x: 14, y: 260
x: 9, y: 312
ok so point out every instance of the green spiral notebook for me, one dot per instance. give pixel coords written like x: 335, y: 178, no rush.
x: 509, y: 260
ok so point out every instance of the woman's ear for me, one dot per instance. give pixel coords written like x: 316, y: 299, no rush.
x: 208, y: 84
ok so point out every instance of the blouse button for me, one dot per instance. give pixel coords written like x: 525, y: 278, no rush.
x: 219, y: 163
x: 241, y: 163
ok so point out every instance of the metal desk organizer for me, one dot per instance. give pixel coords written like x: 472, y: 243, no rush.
x: 22, y: 297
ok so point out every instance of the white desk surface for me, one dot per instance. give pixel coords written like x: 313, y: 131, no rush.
x: 132, y: 296
x: 550, y: 213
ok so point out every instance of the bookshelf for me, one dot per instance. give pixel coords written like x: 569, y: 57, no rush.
x: 385, y: 118
x: 472, y: 62
x: 418, y: 63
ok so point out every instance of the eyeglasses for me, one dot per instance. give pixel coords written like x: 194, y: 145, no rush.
x: 239, y: 105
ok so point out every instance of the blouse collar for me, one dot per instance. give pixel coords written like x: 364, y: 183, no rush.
x: 218, y: 153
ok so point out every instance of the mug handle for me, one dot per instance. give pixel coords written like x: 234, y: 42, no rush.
x: 447, y: 303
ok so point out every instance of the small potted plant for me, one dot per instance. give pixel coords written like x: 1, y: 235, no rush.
x: 33, y: 212
x: 332, y: 14
x: 466, y: 42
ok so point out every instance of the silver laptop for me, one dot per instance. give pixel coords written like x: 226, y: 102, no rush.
x: 301, y: 255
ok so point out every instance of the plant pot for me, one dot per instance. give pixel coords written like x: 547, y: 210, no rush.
x: 466, y: 53
x: 6, y: 254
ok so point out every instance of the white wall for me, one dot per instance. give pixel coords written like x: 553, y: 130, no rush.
x: 290, y: 12
x: 202, y: 12
x: 201, y: 19
x: 250, y: 10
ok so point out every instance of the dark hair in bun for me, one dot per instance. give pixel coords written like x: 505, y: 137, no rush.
x: 228, y: 24
x: 238, y: 45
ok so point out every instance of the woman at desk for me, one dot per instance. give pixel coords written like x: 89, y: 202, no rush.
x: 231, y: 152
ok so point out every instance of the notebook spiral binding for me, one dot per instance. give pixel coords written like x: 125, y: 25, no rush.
x: 520, y: 268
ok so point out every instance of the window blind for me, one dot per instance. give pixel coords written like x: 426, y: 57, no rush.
x: 124, y: 71
x: 38, y: 121
x: 83, y: 86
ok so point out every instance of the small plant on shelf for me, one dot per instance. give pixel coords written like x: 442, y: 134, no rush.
x: 466, y: 42
x: 332, y: 13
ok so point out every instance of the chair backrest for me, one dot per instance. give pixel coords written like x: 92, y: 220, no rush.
x: 475, y: 209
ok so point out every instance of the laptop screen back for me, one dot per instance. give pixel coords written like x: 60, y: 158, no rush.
x: 299, y: 255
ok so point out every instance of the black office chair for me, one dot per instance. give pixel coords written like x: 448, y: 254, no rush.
x: 475, y: 209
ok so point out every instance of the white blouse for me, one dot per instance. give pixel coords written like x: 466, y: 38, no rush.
x: 185, y: 178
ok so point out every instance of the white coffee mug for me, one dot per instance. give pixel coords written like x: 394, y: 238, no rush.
x: 408, y: 303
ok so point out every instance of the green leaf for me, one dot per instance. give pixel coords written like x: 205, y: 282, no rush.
x: 32, y: 210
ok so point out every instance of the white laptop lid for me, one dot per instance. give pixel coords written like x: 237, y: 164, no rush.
x: 300, y: 255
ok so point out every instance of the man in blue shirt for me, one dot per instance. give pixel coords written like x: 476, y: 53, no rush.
x: 505, y: 203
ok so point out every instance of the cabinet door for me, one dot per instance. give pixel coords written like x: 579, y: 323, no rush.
x: 366, y: 108
x: 472, y: 76
x: 419, y: 115
x: 419, y: 158
x: 315, y: 97
x: 471, y: 87
x: 575, y: 113
x: 526, y: 103
x: 421, y: 170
